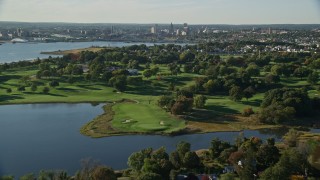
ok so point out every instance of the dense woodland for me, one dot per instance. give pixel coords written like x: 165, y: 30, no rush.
x: 289, y: 82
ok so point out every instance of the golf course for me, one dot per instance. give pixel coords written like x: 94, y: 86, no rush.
x: 133, y: 108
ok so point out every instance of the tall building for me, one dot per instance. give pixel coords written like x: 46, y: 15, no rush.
x: 19, y: 32
x: 112, y: 29
x: 186, y: 28
x: 154, y: 29
x: 171, y: 29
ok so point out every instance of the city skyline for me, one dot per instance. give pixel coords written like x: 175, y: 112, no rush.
x: 164, y: 11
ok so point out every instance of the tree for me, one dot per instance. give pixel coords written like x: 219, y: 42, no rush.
x: 199, y: 101
x: 248, y: 92
x: 25, y: 81
x: 133, y: 64
x: 7, y: 177
x: 247, y: 112
x: 272, y: 79
x: 119, y: 82
x: 301, y: 72
x: 68, y: 69
x: 276, y: 114
x: 217, y: 146
x: 135, y: 80
x: 279, y: 99
x: 267, y: 155
x: 253, y: 70
x: 313, y: 78
x: 54, y: 83
x: 276, y: 70
x: 34, y: 87
x: 136, y: 159
x: 147, y: 73
x: 155, y: 70
x: 103, y: 172
x: 96, y: 67
x: 187, y: 68
x: 186, y: 56
x: 175, y: 160
x: 150, y: 166
x: 235, y: 93
x: 182, y: 148
x: 28, y: 177
x: 166, y: 102
x: 211, y: 86
x: 191, y: 160
x: 182, y: 104
x: 291, y: 162
x: 21, y: 88
x: 174, y: 68
x: 291, y: 138
x: 44, y: 175
x: 149, y: 176
x: 177, y: 108
x: 248, y: 169
x: 77, y: 70
x: 45, y: 73
x: 45, y: 90
x: 9, y: 90
x: 227, y: 176
x: 106, y: 76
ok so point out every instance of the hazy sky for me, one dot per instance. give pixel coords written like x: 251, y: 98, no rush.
x: 163, y: 11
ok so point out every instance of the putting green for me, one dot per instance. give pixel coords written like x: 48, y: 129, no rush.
x: 143, y: 117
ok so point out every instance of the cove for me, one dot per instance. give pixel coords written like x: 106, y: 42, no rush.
x: 10, y: 52
x: 38, y: 137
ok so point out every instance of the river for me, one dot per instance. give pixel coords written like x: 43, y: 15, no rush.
x: 10, y: 52
x: 46, y: 136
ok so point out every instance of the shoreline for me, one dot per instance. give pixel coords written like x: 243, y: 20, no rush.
x: 185, y: 131
x: 122, y: 41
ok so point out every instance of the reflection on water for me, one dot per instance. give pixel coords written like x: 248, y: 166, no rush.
x: 46, y: 136
x: 277, y: 132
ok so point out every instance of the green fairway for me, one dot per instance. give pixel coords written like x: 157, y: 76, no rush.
x: 141, y: 117
x: 224, y: 105
x: 132, y: 117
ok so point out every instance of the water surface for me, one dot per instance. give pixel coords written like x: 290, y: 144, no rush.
x: 10, y: 52
x: 46, y: 136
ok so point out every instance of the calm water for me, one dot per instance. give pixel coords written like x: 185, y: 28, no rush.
x: 46, y: 136
x: 27, y: 51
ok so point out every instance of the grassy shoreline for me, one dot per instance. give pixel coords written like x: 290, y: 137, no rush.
x: 73, y: 51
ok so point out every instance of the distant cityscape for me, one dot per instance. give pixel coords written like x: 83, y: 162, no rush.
x: 233, y: 38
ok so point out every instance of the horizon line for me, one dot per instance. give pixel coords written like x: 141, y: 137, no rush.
x: 132, y: 23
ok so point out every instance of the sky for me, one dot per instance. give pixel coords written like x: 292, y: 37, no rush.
x: 163, y: 11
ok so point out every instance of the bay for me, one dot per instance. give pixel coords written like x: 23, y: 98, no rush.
x: 13, y: 52
x: 38, y: 137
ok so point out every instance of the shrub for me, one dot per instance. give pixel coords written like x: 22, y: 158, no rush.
x: 34, y: 87
x: 21, y: 88
x: 9, y: 90
x: 46, y: 90
x: 54, y: 83
x: 247, y: 112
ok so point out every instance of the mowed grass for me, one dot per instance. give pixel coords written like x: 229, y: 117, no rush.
x: 144, y: 117
x: 224, y: 105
